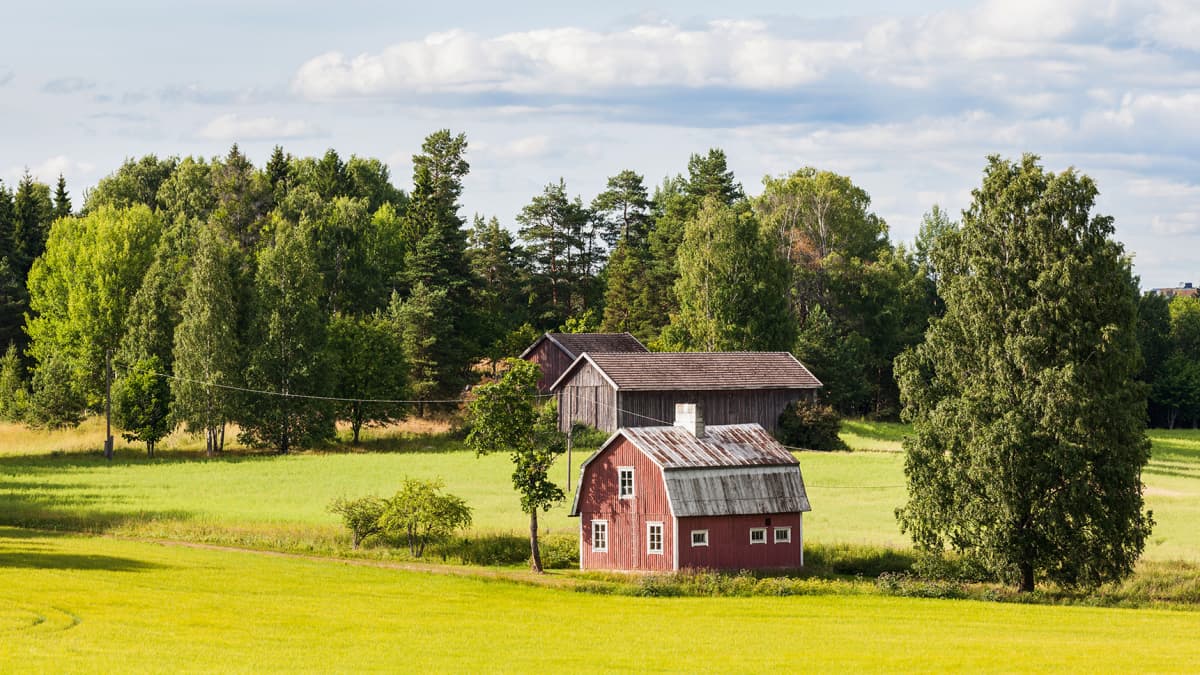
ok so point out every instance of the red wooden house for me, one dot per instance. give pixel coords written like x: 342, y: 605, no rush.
x: 690, y: 496
x: 555, y: 352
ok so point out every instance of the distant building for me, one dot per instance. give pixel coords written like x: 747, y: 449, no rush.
x: 1184, y: 288
x: 690, y: 496
x: 612, y: 391
x: 554, y: 352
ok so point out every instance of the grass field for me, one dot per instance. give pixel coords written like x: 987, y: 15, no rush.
x: 70, y: 603
x: 274, y: 501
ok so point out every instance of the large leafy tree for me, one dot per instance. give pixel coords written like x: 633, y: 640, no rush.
x: 206, y: 346
x: 287, y: 356
x: 81, y: 288
x: 732, y: 286
x: 504, y: 417
x: 1028, y: 428
x: 137, y: 181
x: 141, y: 403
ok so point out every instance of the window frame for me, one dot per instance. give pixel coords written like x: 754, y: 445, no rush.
x: 621, y: 470
x: 762, y: 531
x: 603, y: 535
x: 700, y: 532
x: 662, y: 538
x: 781, y: 528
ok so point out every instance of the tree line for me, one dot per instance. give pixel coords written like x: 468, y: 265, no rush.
x: 317, y: 276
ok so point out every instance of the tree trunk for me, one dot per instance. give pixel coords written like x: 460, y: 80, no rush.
x: 1026, y: 568
x: 221, y: 445
x: 356, y: 425
x: 536, y: 561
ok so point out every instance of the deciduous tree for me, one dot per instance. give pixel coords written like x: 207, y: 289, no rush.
x: 1028, y: 428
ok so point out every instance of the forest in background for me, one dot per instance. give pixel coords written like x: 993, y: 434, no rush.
x: 320, y: 277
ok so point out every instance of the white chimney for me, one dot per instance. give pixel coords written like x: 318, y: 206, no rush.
x: 690, y: 417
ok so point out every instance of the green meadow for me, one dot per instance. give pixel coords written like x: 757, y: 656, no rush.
x: 125, y: 567
x: 73, y: 603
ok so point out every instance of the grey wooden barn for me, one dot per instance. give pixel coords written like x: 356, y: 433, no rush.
x: 610, y: 391
x: 555, y: 352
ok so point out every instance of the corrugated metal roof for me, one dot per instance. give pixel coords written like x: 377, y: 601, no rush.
x: 694, y: 371
x: 737, y: 491
x: 721, y: 445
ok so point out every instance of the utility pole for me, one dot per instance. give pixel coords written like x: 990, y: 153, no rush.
x: 570, y: 436
x: 108, y: 439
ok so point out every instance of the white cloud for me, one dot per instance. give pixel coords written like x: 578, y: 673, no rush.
x: 234, y: 127
x: 1175, y: 23
x: 6, y: 76
x: 741, y: 55
x: 49, y: 170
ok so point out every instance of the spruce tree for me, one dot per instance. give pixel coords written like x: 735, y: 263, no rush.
x: 1028, y: 435
x: 62, y: 200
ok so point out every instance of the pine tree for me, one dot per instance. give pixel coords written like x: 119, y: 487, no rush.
x: 623, y: 210
x: 498, y: 298
x: 287, y: 354
x: 1028, y: 435
x: 206, y: 346
x: 556, y: 232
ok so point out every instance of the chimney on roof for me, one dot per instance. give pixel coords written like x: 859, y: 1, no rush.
x: 690, y: 417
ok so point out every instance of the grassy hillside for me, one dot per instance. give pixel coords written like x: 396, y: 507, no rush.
x: 71, y: 603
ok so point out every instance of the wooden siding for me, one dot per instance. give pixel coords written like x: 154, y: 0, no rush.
x: 656, y: 408
x: 627, y: 518
x: 553, y: 360
x: 588, y: 398
x: 729, y: 546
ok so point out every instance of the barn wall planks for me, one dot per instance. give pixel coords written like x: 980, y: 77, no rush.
x: 729, y: 546
x: 655, y: 408
x: 627, y: 518
x: 588, y: 398
x: 553, y: 360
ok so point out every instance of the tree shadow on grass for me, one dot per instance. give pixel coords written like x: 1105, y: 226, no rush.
x: 25, y: 549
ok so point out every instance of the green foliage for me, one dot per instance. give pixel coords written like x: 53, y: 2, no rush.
x: 81, y: 288
x: 417, y: 321
x: 421, y: 513
x: 810, y: 426
x: 835, y: 356
x: 287, y: 354
x: 587, y: 322
x: 623, y: 210
x: 206, y: 348
x: 55, y: 402
x: 1028, y: 429
x: 731, y: 288
x: 137, y: 182
x: 14, y: 395
x: 909, y: 586
x: 141, y: 403
x: 361, y: 516
x: 503, y: 417
x: 187, y: 193
x: 154, y: 310
x: 560, y: 241
x: 367, y: 360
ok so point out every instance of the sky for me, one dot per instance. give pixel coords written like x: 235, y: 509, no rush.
x: 908, y: 102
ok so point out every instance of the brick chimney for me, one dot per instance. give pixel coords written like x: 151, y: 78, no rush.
x: 690, y: 417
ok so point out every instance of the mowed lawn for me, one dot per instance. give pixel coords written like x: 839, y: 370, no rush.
x: 265, y: 497
x: 71, y: 603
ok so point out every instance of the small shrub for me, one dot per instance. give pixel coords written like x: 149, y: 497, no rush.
x: 811, y: 426
x: 360, y: 516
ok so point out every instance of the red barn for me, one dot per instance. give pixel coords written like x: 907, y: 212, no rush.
x: 690, y: 496
x: 555, y: 352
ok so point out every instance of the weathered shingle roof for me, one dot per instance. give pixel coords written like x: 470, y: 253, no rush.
x: 575, y: 344
x: 698, y: 371
x: 734, y: 469
x: 721, y: 445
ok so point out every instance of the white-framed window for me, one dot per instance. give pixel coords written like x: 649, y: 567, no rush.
x: 599, y: 536
x: 699, y: 537
x: 758, y: 535
x: 625, y: 482
x: 654, y: 538
x: 783, y: 535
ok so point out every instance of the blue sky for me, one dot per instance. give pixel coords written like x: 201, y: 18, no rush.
x: 907, y: 102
